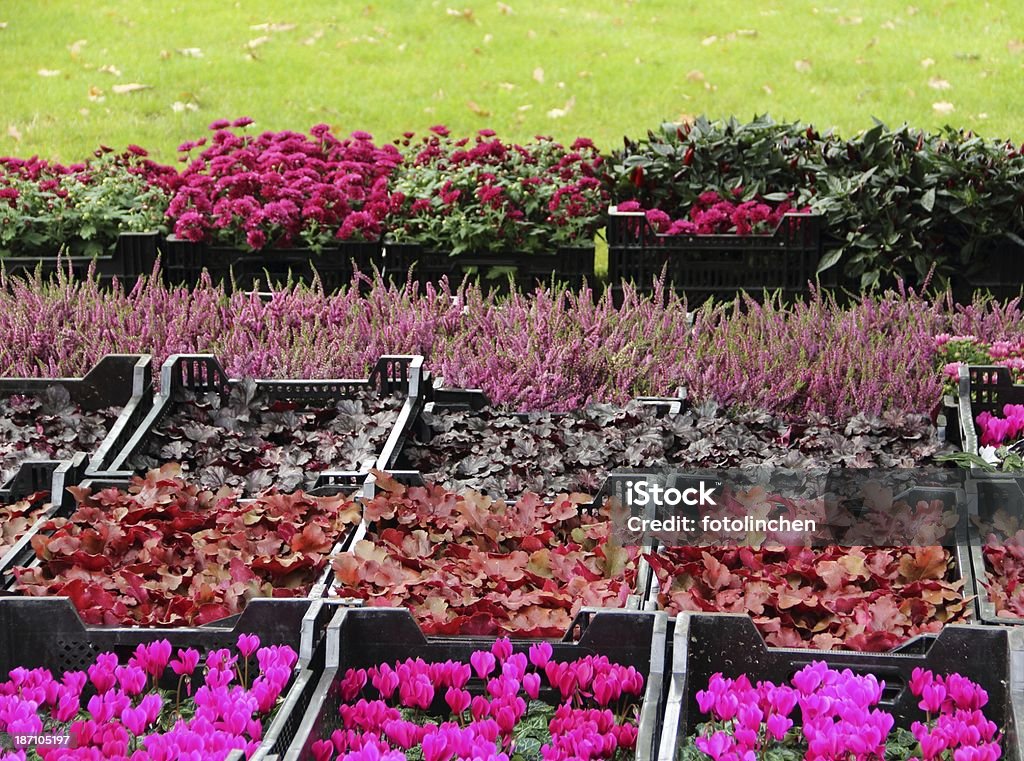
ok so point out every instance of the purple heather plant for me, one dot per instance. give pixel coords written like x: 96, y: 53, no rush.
x: 539, y: 351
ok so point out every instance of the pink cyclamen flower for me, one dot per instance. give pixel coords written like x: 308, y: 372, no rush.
x: 248, y: 644
x: 186, y: 662
x: 483, y: 663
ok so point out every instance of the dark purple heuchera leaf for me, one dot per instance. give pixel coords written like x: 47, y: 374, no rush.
x: 503, y: 454
x: 248, y: 441
x: 48, y: 426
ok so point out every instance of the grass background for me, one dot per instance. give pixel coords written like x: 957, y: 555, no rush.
x: 602, y: 69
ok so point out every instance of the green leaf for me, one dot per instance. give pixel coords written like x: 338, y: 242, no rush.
x: 829, y: 259
x: 928, y: 200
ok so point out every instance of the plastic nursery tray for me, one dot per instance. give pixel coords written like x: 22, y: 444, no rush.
x: 982, y: 388
x: 203, y: 373
x: 989, y: 497
x: 959, y: 547
x: 185, y: 261
x: 47, y: 633
x: 360, y: 638
x: 570, y: 266
x: 704, y: 644
x: 442, y: 399
x: 134, y: 256
x: 32, y: 477
x: 613, y: 485
x: 117, y: 380
x: 71, y: 473
x: 718, y: 266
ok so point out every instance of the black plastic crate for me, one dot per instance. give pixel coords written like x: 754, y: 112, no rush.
x: 996, y: 268
x: 614, y: 485
x: 117, y: 380
x: 989, y: 497
x: 39, y: 476
x: 184, y: 262
x: 703, y: 644
x: 982, y: 388
x: 47, y: 633
x: 716, y: 266
x: 396, y: 374
x: 958, y: 545
x: 134, y: 256
x: 949, y: 419
x: 360, y: 638
x: 570, y: 266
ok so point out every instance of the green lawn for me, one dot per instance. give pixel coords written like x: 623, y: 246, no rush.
x: 601, y: 69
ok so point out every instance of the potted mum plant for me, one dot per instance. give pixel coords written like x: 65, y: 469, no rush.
x: 726, y: 242
x: 278, y: 204
x: 107, y: 212
x: 485, y: 207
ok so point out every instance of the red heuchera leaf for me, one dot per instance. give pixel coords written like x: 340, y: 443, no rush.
x: 18, y: 517
x: 467, y: 564
x: 852, y: 597
x: 168, y: 554
x: 1004, y: 560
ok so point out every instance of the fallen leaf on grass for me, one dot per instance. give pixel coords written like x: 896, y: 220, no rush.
x: 179, y: 107
x: 507, y: 86
x: 505, y: 10
x: 111, y: 70
x: 943, y: 107
x: 75, y: 48
x: 695, y: 75
x: 96, y: 94
x: 1014, y: 46
x: 709, y: 40
x: 558, y: 113
x: 255, y: 43
x: 191, y: 52
x: 313, y: 38
x: 49, y: 72
x: 477, y: 109
x: 13, y: 133
x: 938, y: 83
x: 272, y: 27
x: 803, y: 65
x: 129, y: 88
x: 927, y: 63
x: 465, y: 13
x: 538, y: 75
x: 3, y: 24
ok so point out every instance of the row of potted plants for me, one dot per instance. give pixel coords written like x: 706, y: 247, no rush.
x: 948, y: 200
x: 396, y: 695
